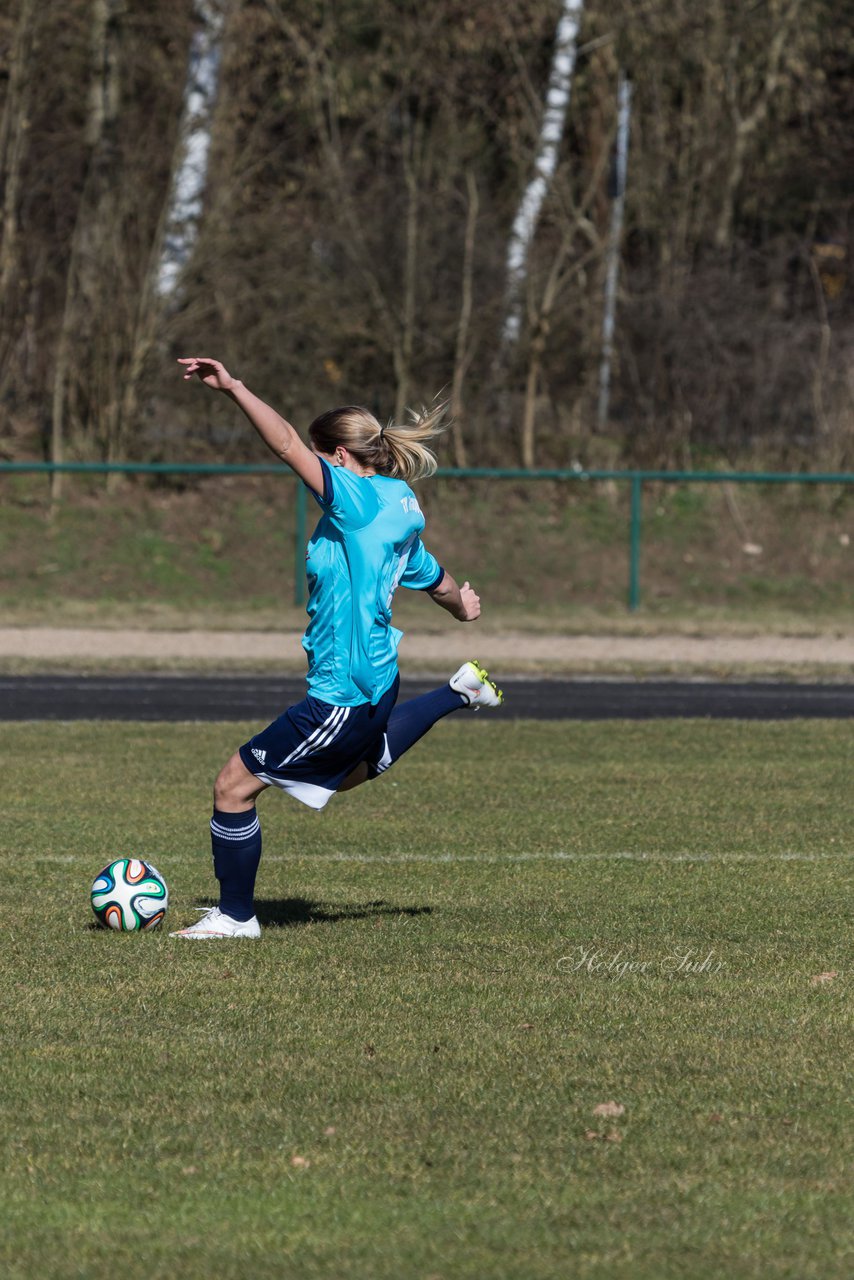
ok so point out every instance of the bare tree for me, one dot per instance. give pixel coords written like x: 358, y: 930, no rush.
x: 462, y: 353
x: 548, y: 146
x: 14, y: 128
x: 745, y: 125
x: 91, y: 254
x: 355, y: 189
x: 177, y: 231
x: 568, y: 262
x: 397, y: 323
x: 185, y: 202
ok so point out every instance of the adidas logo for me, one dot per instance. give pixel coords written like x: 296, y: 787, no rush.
x: 260, y: 756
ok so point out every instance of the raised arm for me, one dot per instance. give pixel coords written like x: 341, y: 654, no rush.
x: 462, y: 602
x: 276, y: 432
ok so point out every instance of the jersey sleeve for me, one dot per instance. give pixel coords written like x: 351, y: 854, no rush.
x: 346, y: 498
x: 423, y: 571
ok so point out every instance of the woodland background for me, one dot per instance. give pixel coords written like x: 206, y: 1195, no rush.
x: 345, y: 234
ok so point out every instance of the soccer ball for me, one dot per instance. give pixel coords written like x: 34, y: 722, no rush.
x: 129, y: 894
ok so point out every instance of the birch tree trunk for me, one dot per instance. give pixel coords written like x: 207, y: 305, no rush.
x: 189, y: 176
x: 548, y: 147
x: 180, y: 220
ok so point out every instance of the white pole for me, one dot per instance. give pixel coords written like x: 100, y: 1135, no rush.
x: 624, y: 104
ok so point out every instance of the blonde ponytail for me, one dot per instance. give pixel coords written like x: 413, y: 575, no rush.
x: 409, y: 458
x: 395, y: 450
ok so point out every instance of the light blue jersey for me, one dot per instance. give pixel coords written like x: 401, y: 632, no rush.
x: 366, y: 545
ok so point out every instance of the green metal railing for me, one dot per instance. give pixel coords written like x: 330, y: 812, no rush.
x: 635, y: 479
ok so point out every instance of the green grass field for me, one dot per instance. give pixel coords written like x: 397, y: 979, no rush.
x: 462, y: 962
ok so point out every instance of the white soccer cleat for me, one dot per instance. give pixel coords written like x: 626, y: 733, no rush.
x: 472, y: 682
x: 216, y: 924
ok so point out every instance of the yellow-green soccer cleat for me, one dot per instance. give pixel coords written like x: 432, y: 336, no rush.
x: 472, y: 682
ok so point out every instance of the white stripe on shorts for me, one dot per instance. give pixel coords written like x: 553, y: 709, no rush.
x: 385, y: 761
x: 319, y: 737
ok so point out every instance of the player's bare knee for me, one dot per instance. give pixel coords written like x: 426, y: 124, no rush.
x: 234, y: 785
x: 221, y: 791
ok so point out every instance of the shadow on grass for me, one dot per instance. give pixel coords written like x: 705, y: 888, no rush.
x: 282, y: 913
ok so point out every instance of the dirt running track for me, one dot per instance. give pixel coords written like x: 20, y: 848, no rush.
x: 501, y: 649
x: 188, y: 695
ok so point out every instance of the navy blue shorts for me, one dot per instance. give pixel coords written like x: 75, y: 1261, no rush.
x: 313, y: 746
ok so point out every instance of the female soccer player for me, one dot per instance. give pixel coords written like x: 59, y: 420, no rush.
x: 347, y: 730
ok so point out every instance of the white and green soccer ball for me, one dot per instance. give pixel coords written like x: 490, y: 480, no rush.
x: 129, y: 895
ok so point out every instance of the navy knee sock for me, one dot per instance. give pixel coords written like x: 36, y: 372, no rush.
x: 409, y: 721
x: 236, y: 848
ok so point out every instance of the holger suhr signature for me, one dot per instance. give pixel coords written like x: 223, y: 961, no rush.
x: 682, y: 961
